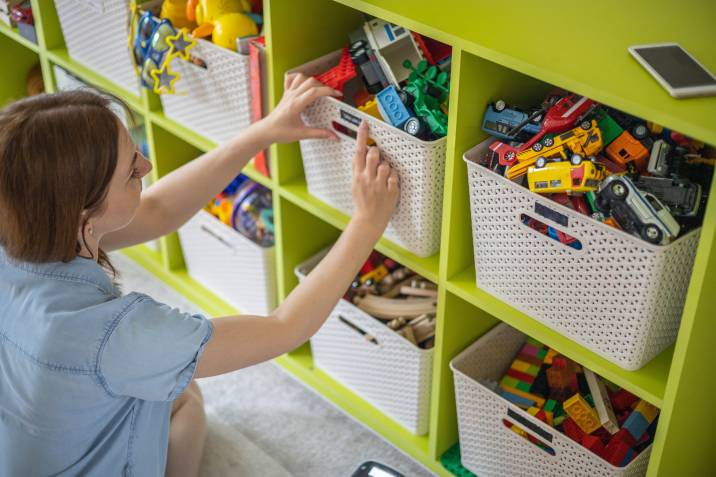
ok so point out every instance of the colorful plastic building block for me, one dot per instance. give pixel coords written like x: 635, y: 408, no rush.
x: 640, y: 419
x: 392, y: 45
x: 340, y: 74
x: 371, y: 107
x: 392, y: 108
x: 582, y: 413
x: 601, y: 402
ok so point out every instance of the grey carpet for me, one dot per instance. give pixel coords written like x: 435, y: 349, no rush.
x: 264, y: 423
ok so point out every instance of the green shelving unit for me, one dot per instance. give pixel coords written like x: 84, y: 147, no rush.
x: 517, y: 50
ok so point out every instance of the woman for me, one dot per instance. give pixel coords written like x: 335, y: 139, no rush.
x: 96, y: 383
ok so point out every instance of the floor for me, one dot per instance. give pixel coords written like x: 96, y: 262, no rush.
x: 263, y: 423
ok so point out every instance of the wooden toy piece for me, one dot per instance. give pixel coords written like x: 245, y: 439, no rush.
x: 407, y: 333
x: 582, y: 414
x: 390, y: 308
x: 601, y: 402
x: 397, y: 323
x: 423, y: 327
x: 420, y: 288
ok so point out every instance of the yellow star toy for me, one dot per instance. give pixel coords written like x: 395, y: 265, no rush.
x: 164, y: 79
x: 180, y: 44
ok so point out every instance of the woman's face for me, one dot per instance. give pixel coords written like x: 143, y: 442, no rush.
x: 125, y: 186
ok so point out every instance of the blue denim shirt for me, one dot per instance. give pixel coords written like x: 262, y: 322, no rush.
x: 87, y: 376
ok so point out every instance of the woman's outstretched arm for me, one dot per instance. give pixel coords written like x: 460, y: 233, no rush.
x: 244, y: 340
x: 176, y: 197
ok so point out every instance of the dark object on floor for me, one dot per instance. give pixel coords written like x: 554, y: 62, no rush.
x: 375, y: 469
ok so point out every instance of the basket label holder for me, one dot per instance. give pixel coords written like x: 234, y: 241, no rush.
x: 366, y: 336
x: 531, y: 429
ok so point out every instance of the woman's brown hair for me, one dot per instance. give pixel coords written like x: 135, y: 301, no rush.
x: 58, y: 153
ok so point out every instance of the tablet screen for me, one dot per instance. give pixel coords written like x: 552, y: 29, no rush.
x: 676, y: 66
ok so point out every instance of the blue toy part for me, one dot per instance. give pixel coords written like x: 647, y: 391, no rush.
x: 234, y: 185
x: 252, y: 215
x: 392, y: 108
x: 636, y: 424
x: 500, y: 123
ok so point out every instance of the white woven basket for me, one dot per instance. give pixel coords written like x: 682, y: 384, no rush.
x: 95, y: 34
x: 488, y: 448
x: 392, y: 374
x: 214, y: 101
x: 236, y: 269
x: 328, y: 166
x: 619, y: 296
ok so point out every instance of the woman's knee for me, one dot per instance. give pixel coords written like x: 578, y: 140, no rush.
x: 191, y: 397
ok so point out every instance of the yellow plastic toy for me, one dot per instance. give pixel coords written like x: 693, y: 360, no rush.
x: 585, y: 140
x: 565, y: 176
x: 175, y: 12
x: 224, y: 20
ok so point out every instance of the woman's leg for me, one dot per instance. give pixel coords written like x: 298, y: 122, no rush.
x: 187, y: 433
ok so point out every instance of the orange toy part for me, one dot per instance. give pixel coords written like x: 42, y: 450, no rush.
x: 191, y: 10
x: 625, y: 148
x: 339, y: 75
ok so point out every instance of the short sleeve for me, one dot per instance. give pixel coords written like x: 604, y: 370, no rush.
x: 151, y: 350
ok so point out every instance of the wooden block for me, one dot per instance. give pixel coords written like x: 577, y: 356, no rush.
x: 582, y: 414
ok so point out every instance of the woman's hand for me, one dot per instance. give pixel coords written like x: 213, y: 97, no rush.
x: 284, y: 123
x: 375, y: 186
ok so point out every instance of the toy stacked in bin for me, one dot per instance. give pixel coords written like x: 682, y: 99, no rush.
x: 607, y: 420
x: 247, y: 207
x: 601, y: 162
x: 393, y: 294
x: 405, y: 77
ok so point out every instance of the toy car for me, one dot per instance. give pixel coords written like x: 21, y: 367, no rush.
x: 625, y: 149
x: 637, y: 212
x: 681, y: 196
x: 636, y: 127
x: 564, y: 114
x: 504, y: 122
x: 575, y: 175
x: 585, y: 140
x: 658, y: 165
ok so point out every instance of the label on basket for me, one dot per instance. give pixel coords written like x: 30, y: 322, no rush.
x: 552, y: 215
x: 351, y: 118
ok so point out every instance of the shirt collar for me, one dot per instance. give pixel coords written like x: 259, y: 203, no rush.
x: 79, y: 269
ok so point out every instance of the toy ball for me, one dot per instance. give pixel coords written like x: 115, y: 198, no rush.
x: 207, y: 11
x: 175, y: 12
x: 231, y: 26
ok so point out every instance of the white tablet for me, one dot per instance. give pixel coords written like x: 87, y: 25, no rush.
x: 675, y: 69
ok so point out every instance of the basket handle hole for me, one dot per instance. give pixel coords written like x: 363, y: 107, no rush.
x: 551, y: 232
x: 528, y: 431
x: 368, y: 337
x: 349, y: 132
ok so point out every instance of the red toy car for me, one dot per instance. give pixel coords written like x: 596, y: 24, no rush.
x: 567, y: 112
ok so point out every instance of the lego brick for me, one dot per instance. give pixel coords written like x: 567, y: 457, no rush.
x: 517, y: 400
x: 647, y: 410
x: 540, y: 386
x: 636, y: 424
x: 616, y: 452
x: 530, y: 359
x: 339, y: 75
x: 391, y: 107
x: 527, y: 378
x: 509, y: 381
x: 538, y: 401
x: 532, y: 411
x: 559, y: 420
x: 542, y: 354
x: 533, y: 370
x: 550, y: 405
x: 622, y: 400
x: 625, y: 436
x: 594, y: 444
x: 522, y: 367
x: 601, y: 402
x: 531, y: 350
x: 548, y: 359
x: 582, y: 414
x: 371, y: 107
x: 572, y: 430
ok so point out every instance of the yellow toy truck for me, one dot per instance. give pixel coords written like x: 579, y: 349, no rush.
x: 584, y: 140
x: 575, y: 175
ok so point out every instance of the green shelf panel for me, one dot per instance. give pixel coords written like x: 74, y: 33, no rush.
x: 648, y: 382
x: 202, y: 143
x: 415, y: 446
x: 60, y: 57
x: 14, y: 87
x: 14, y: 35
x: 297, y: 192
x: 181, y: 282
x: 538, y: 40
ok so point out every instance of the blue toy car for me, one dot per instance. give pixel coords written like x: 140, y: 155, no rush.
x: 510, y: 124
